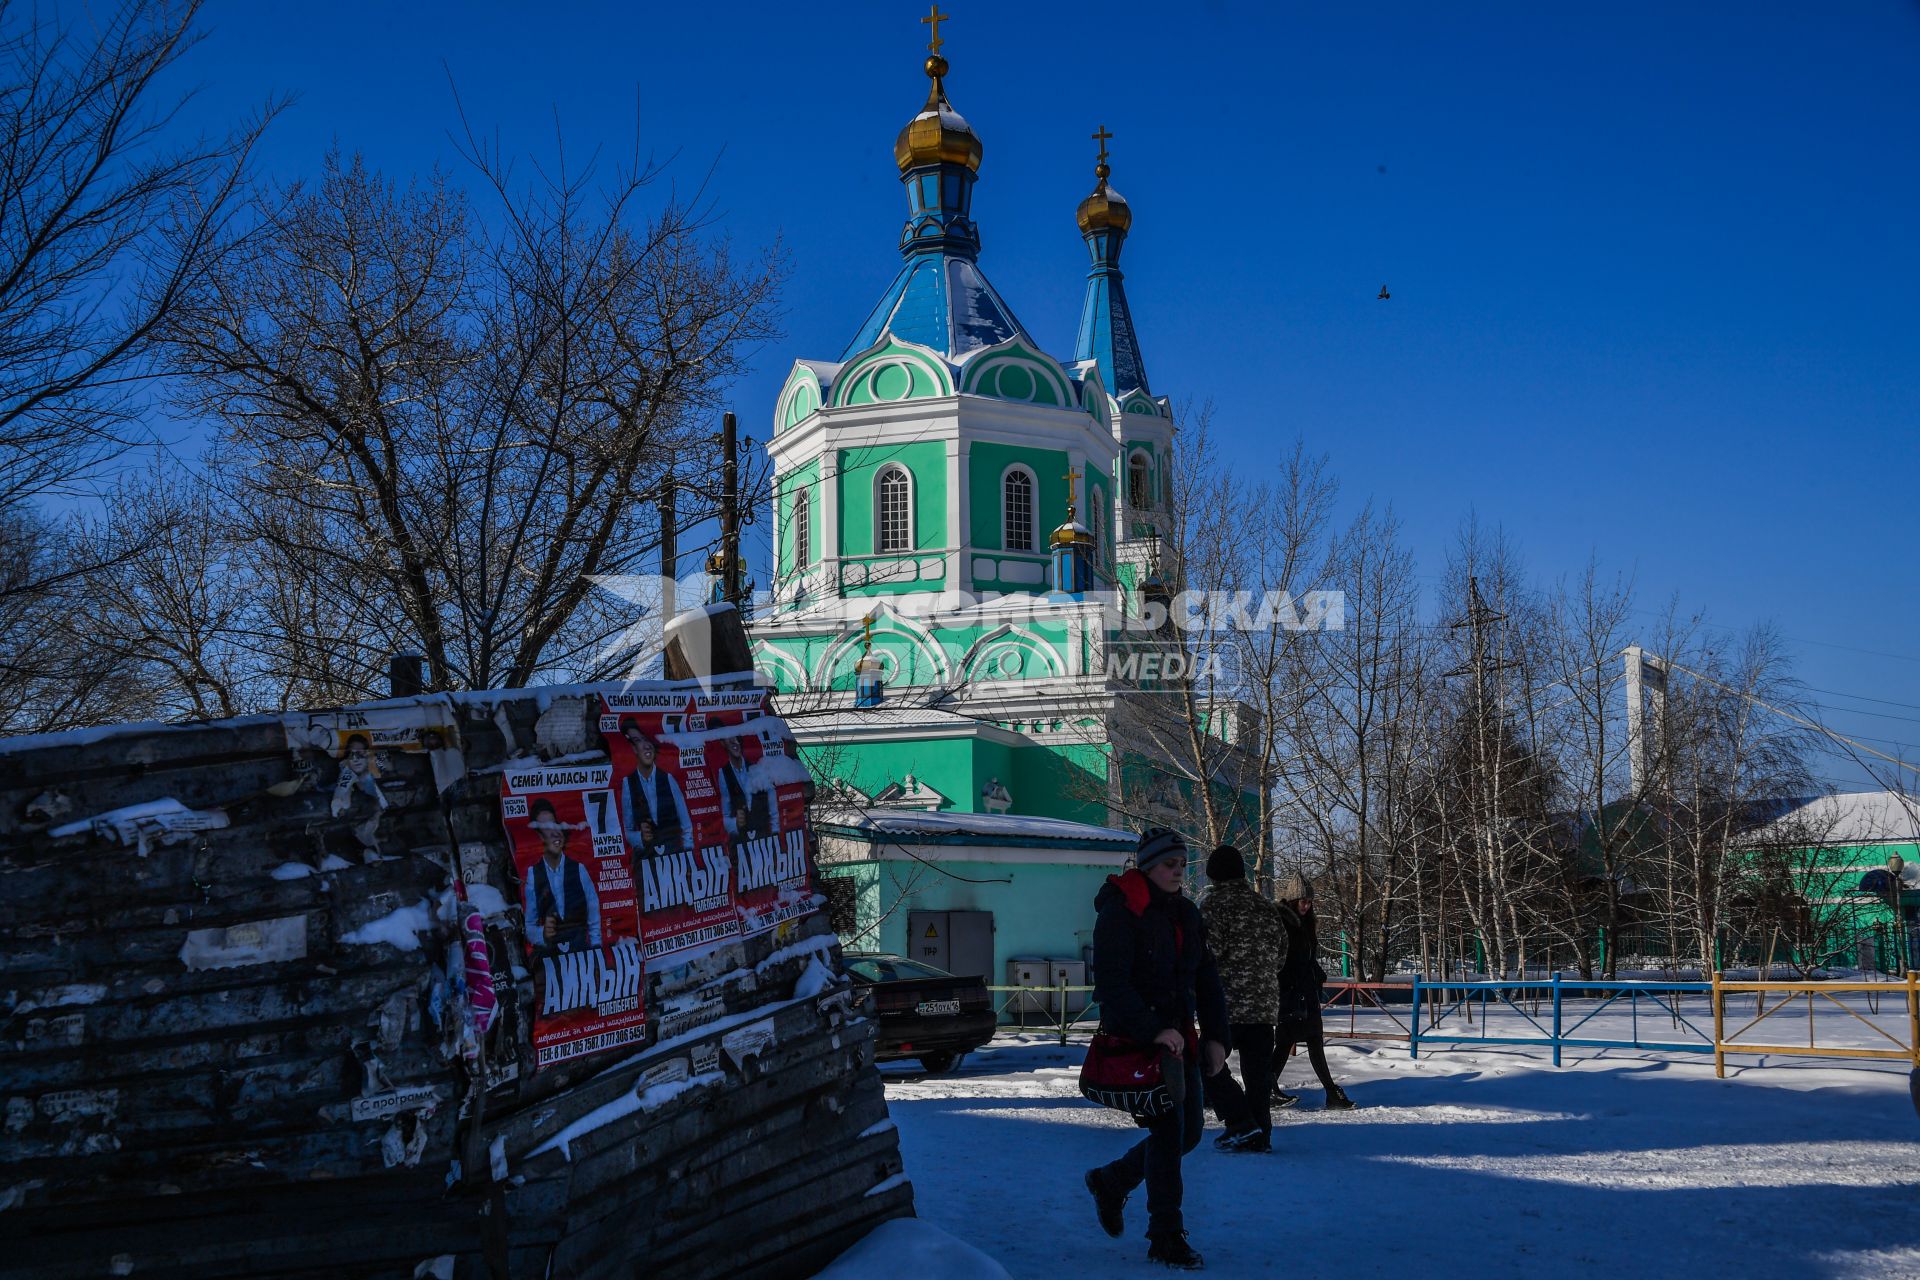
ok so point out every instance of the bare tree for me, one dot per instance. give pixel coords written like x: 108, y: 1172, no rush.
x: 439, y: 435
x: 1358, y: 727
x: 104, y: 226
x: 1728, y: 763
x: 106, y: 222
x: 1179, y: 742
x: 180, y: 611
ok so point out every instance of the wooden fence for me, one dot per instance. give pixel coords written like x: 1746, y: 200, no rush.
x: 231, y: 1034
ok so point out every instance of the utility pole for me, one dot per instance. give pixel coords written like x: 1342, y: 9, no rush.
x: 669, y: 552
x: 726, y: 563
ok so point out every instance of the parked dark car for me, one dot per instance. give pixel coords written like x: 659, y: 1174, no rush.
x: 925, y: 1013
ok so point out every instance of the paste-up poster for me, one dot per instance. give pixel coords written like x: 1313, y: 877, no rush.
x: 669, y: 816
x: 582, y: 916
x: 362, y: 741
x: 762, y: 790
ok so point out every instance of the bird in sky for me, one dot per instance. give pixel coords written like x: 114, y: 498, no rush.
x: 1384, y: 295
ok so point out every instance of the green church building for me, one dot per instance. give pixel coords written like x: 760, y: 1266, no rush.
x: 963, y: 525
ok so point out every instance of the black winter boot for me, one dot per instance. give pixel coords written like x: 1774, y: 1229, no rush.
x: 1337, y: 1099
x: 1109, y: 1205
x: 1282, y: 1100
x: 1172, y: 1250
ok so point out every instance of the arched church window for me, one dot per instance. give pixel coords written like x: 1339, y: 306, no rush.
x: 1097, y: 516
x: 895, y: 509
x: 1139, y: 483
x: 802, y: 531
x: 1016, y: 509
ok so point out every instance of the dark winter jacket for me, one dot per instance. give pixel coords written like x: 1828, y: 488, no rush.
x: 1301, y: 976
x: 1248, y: 936
x: 1152, y: 969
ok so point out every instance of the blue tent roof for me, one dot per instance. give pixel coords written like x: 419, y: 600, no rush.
x: 942, y: 301
x: 1106, y: 323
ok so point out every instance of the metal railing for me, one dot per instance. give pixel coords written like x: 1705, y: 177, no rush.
x: 1037, y: 999
x: 1567, y: 1013
x: 1564, y: 1013
x: 1907, y: 1050
x: 1554, y: 1032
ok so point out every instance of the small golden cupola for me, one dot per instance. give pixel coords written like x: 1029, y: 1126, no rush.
x: 1105, y: 207
x: 939, y: 134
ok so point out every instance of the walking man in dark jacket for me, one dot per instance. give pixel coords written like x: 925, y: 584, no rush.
x: 1248, y: 935
x: 1155, y: 978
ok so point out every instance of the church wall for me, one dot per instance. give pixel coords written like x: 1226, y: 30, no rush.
x: 1060, y: 780
x: 913, y: 666
x: 789, y: 487
x: 946, y: 765
x: 925, y: 461
x: 1148, y: 787
x: 987, y: 463
x: 1053, y: 780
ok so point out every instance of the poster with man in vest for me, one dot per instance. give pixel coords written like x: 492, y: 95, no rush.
x: 670, y: 816
x: 582, y: 914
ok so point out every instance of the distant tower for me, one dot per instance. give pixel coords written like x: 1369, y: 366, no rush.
x: 1106, y: 324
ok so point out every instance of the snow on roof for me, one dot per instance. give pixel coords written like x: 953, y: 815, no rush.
x: 807, y: 724
x: 1854, y: 817
x: 994, y: 826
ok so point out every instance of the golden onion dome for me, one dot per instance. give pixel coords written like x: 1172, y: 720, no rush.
x: 938, y: 133
x: 1104, y: 208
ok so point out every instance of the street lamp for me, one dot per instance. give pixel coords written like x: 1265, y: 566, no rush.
x: 1895, y: 866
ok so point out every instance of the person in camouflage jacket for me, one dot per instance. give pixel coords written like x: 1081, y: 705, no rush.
x: 1249, y: 939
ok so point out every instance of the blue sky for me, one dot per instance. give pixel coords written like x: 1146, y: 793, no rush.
x: 1653, y: 266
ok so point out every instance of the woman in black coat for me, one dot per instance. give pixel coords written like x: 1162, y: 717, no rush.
x: 1301, y: 978
x: 1155, y: 979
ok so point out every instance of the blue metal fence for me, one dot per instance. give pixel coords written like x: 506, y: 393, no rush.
x: 1441, y: 1009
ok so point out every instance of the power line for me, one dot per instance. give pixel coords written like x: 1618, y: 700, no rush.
x: 1797, y: 719
x: 1861, y: 697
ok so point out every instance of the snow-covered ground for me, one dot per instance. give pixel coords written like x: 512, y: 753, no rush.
x: 1481, y: 1162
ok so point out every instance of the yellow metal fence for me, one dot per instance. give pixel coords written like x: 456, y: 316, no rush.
x: 1817, y: 997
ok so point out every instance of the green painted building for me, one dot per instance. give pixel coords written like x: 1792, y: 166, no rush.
x: 1851, y: 862
x: 971, y: 522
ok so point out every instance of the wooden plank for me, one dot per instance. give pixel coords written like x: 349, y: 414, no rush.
x: 199, y: 1119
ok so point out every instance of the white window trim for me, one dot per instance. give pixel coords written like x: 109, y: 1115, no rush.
x: 1147, y: 458
x: 1033, y: 508
x: 802, y: 516
x: 879, y: 512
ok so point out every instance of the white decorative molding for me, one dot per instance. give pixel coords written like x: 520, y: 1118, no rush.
x: 886, y: 623
x: 780, y: 668
x: 910, y: 793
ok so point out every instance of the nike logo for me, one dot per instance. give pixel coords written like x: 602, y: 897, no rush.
x: 1139, y: 1075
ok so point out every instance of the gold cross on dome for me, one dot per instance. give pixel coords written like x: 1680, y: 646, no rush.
x: 1102, y: 138
x: 933, y: 19
x: 1073, y: 474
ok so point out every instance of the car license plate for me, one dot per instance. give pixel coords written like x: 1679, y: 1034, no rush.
x: 934, y: 1008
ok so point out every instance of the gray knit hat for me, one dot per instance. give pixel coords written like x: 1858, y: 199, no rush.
x: 1156, y: 845
x: 1293, y: 888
